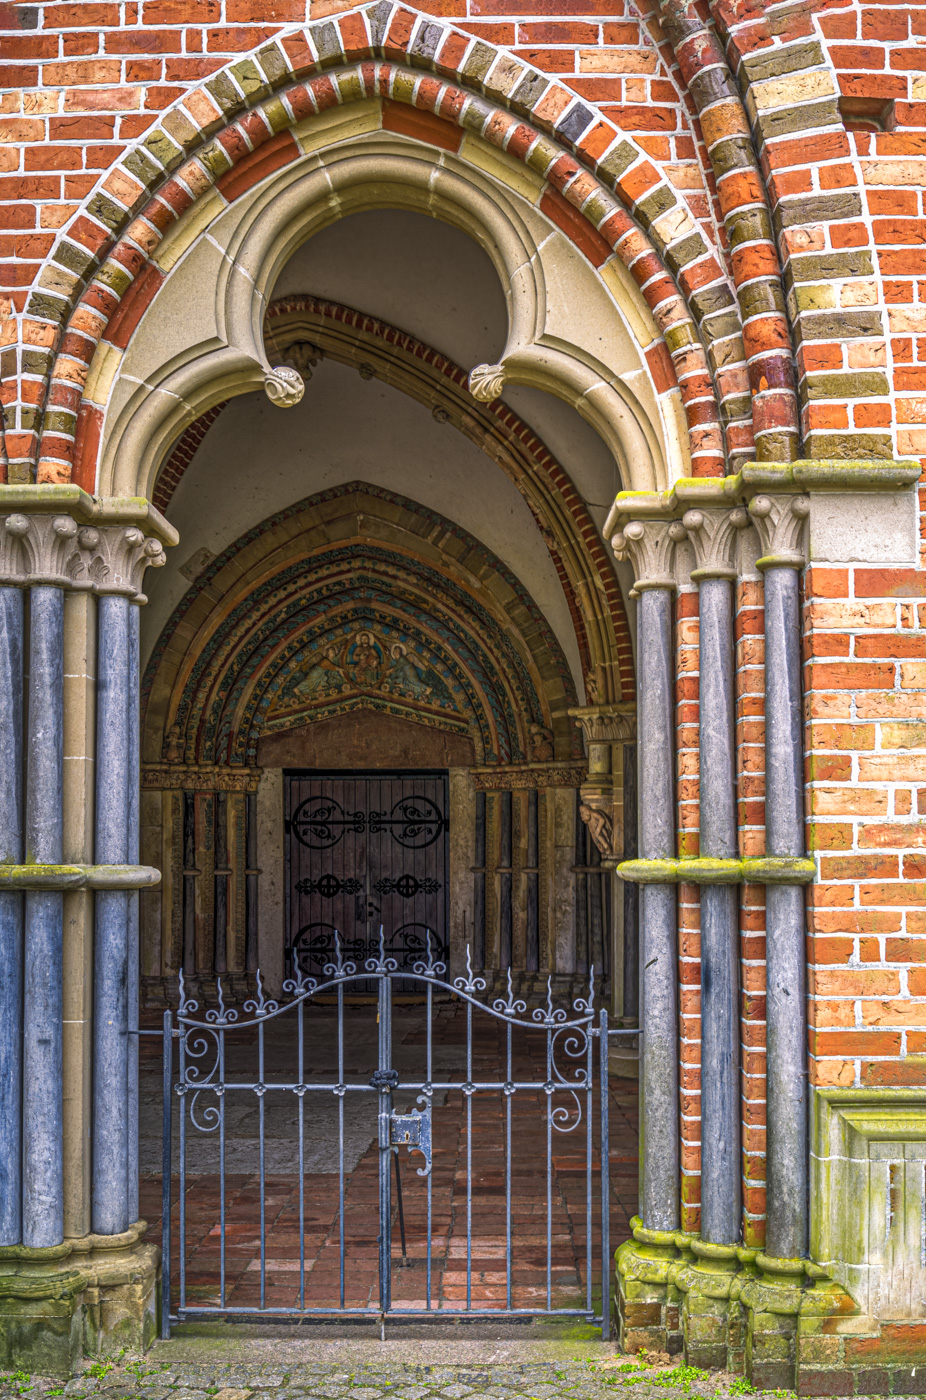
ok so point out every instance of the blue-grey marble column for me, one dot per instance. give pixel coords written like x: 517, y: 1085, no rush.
x: 11, y: 916
x: 659, y: 1104
x: 779, y: 522
x: 713, y: 534
x: 43, y: 1197
x: 134, y: 747
x: 115, y: 687
x: 650, y: 545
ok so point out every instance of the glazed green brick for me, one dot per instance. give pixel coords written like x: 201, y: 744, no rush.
x: 617, y: 161
x: 748, y: 226
x: 813, y: 298
x: 114, y: 276
x: 775, y: 63
x: 762, y: 296
x: 820, y: 267
x: 649, y: 208
x: 225, y: 94
x: 685, y: 252
x: 708, y: 301
x: 276, y: 115
x: 140, y: 164
x: 107, y: 211
x: 165, y: 151
x: 74, y: 258
x: 478, y: 62
x: 849, y: 446
x: 215, y: 159
x: 840, y: 325
x: 734, y: 153
x: 855, y: 384
x: 721, y: 327
x: 58, y: 420
x: 817, y: 209
x: 529, y: 91
x: 806, y: 117
x: 249, y: 78
x: 677, y: 337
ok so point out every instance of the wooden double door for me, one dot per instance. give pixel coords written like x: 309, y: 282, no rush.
x: 366, y: 852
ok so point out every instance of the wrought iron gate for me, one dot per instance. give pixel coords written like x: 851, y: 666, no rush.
x: 565, y: 1093
x: 365, y: 851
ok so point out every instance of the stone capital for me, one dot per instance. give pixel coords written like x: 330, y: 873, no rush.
x: 56, y: 550
x: 650, y: 547
x: 780, y: 524
x: 714, y: 536
x: 606, y: 724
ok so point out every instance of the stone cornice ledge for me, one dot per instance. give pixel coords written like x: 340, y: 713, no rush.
x: 788, y: 478
x: 49, y: 499
x: 705, y: 870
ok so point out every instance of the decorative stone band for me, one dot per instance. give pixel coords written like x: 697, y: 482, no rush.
x: 527, y: 775
x: 200, y: 777
x: 709, y: 511
x: 659, y: 1243
x: 706, y: 870
x: 78, y: 877
x: 61, y: 536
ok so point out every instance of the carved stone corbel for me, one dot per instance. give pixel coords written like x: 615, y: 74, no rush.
x: 54, y: 550
x: 650, y: 547
x: 486, y: 382
x: 284, y: 386
x: 780, y: 524
x: 714, y: 535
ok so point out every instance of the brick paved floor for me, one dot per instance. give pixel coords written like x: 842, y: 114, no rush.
x: 538, y: 1265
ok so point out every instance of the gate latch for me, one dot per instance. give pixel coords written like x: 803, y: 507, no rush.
x: 413, y: 1130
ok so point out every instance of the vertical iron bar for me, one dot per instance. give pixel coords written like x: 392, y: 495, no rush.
x: 398, y: 1201
x: 43, y: 1112
x: 469, y: 1157
x: 167, y: 1165
x: 508, y: 1097
x: 11, y: 916
x: 221, y: 1035
x: 341, y: 1134
x: 181, y: 1248
x: 549, y: 1172
x: 589, y: 1157
x: 428, y: 1106
x: 605, y: 1146
x: 300, y: 1012
x: 385, y: 1151
x: 263, y: 1173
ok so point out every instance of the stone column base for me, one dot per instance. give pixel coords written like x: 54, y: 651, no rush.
x: 86, y: 1296
x: 778, y: 1321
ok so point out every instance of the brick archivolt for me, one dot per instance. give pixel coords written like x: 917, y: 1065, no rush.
x: 356, y: 567
x: 104, y: 269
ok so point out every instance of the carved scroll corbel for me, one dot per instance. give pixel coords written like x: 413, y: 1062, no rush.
x: 284, y: 386
x: 486, y: 382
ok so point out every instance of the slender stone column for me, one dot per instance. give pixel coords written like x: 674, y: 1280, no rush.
x: 43, y: 1128
x: 651, y: 546
x: 713, y: 534
x: 134, y: 764
x: 110, y: 1202
x: 780, y: 522
x: 11, y: 916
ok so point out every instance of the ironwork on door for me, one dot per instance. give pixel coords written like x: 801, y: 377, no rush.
x: 334, y: 1123
x: 363, y: 852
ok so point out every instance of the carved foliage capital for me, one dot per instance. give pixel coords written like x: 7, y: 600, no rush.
x: 779, y: 523
x: 650, y: 547
x: 714, y: 535
x: 603, y: 724
x: 55, y: 550
x: 167, y: 777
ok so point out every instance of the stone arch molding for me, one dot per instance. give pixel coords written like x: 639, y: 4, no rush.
x: 208, y: 338
x: 229, y: 135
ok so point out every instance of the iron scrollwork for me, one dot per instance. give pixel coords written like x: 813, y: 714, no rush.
x: 415, y: 822
x: 321, y: 822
